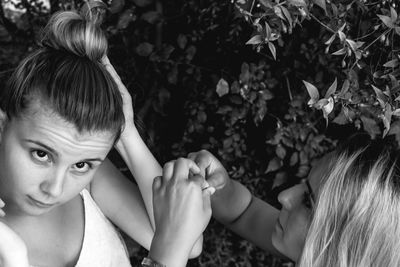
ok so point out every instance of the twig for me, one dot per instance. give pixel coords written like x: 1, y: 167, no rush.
x: 323, y: 24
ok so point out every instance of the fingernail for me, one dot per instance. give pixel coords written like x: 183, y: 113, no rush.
x: 211, y: 190
x: 2, y: 213
x: 205, y: 185
x: 2, y: 204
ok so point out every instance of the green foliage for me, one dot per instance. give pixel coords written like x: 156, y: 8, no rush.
x: 319, y: 71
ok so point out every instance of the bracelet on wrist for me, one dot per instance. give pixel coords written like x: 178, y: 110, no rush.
x: 148, y: 262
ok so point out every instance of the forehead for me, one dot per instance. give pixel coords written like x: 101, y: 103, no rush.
x: 42, y: 123
x: 318, y: 170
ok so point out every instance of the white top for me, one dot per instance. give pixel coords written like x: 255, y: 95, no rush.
x: 102, y: 244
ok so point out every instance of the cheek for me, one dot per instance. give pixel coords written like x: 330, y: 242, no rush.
x: 74, y: 185
x: 296, y: 231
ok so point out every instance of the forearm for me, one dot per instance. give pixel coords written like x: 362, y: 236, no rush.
x: 144, y: 167
x: 229, y: 203
x: 142, y: 164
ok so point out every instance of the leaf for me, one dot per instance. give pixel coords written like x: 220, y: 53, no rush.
x: 144, y: 49
x: 125, y: 19
x: 142, y: 3
x: 345, y: 88
x: 397, y: 30
x: 287, y: 15
x: 332, y: 89
x: 182, y: 41
x: 341, y: 119
x: 279, y: 12
x: 190, y: 52
x: 395, y: 130
x: 342, y: 27
x: 386, y: 119
x: 280, y: 151
x: 268, y: 31
x: 393, y: 14
x: 222, y: 87
x: 280, y: 179
x: 321, y: 4
x: 370, y: 126
x: 272, y: 48
x: 116, y: 6
x: 274, y: 165
x: 256, y: 39
x: 380, y: 96
x: 340, y: 52
x: 342, y: 36
x: 294, y: 158
x: 151, y: 17
x: 266, y: 3
x: 330, y: 40
x: 266, y: 94
x: 392, y: 63
x: 313, y: 92
x: 327, y: 109
x: 298, y: 3
x: 387, y: 21
x: 352, y: 44
x: 396, y: 112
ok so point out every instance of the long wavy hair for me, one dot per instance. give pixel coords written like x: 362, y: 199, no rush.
x: 66, y: 75
x: 356, y: 221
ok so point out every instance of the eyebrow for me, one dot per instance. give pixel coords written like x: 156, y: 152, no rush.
x: 55, y: 152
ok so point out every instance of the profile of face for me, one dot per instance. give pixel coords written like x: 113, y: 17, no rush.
x: 45, y: 161
x: 296, y: 214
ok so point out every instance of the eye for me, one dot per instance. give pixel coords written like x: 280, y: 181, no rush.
x: 82, y: 167
x: 40, y: 155
x: 307, y: 201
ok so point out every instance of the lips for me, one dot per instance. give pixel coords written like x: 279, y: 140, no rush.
x: 278, y: 223
x: 40, y: 203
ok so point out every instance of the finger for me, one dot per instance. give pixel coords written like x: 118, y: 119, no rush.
x: 2, y: 213
x: 157, y: 183
x: 217, y: 180
x: 202, y: 159
x: 199, y: 180
x: 2, y: 204
x: 207, y: 200
x: 168, y: 170
x: 184, y: 168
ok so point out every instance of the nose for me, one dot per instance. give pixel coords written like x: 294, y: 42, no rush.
x: 53, y: 184
x: 291, y: 197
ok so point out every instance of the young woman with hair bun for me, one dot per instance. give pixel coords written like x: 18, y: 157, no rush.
x: 62, y: 111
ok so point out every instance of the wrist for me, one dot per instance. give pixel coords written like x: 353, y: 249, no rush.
x: 169, y: 251
x: 128, y: 135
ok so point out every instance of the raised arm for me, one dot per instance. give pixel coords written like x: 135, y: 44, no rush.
x: 109, y: 184
x: 234, y: 205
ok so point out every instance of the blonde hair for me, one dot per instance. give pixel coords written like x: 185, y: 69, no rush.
x: 356, y: 221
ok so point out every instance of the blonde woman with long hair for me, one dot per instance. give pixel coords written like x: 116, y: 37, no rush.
x: 345, y: 214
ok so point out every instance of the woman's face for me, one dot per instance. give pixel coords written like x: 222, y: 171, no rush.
x: 45, y: 161
x: 295, y: 216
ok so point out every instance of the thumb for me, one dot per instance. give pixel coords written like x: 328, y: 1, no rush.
x: 207, y: 198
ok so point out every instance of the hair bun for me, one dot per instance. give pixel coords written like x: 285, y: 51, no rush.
x: 69, y: 31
